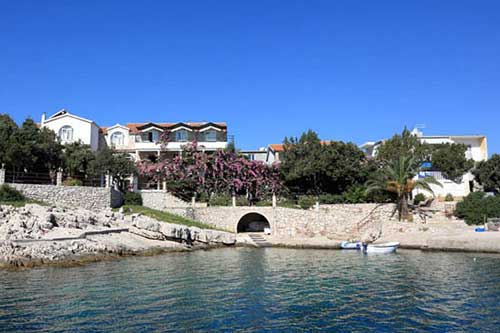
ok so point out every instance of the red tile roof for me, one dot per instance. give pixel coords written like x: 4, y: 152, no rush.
x: 134, y: 127
x: 278, y: 147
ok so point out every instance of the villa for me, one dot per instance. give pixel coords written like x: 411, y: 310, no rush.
x: 140, y: 140
x: 477, y: 150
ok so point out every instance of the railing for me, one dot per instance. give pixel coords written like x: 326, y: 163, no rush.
x: 30, y: 178
x: 82, y: 180
x: 438, y: 175
x: 51, y: 178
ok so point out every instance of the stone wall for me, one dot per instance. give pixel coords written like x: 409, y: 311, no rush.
x: 93, y: 198
x: 162, y: 200
x: 328, y: 221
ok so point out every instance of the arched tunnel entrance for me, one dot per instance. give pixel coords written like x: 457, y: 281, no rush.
x: 253, y: 222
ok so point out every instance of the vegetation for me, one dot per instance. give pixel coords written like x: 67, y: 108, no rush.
x: 313, y: 167
x: 449, y: 197
x: 420, y: 197
x: 132, y: 199
x: 264, y: 203
x: 287, y: 203
x: 306, y: 201
x: 450, y: 159
x: 118, y: 165
x: 10, y: 194
x: 12, y: 197
x: 397, y: 177
x: 404, y: 144
x: 164, y: 216
x: 28, y: 148
x: 31, y: 149
x: 72, y: 182
x: 220, y: 200
x: 477, y: 207
x: 487, y: 173
x: 222, y: 173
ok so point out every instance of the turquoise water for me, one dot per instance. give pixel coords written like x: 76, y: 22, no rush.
x: 245, y: 290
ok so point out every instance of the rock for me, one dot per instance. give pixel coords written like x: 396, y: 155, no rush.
x: 147, y: 224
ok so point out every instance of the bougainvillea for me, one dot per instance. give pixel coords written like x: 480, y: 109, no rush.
x: 195, y: 172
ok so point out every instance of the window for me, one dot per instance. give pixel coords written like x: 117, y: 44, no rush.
x: 181, y: 136
x: 66, y: 133
x: 150, y: 136
x: 211, y: 136
x: 117, y: 139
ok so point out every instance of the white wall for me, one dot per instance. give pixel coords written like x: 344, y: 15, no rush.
x: 84, y: 131
x: 457, y: 189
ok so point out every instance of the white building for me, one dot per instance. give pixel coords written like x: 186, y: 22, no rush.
x: 477, y: 150
x: 255, y: 155
x: 142, y: 140
x: 71, y: 128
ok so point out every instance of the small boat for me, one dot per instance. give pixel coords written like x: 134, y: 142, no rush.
x: 350, y: 245
x: 380, y: 248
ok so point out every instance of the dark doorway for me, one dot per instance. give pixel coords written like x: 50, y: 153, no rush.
x: 253, y: 222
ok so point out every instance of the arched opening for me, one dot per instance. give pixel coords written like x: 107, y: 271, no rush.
x: 253, y: 222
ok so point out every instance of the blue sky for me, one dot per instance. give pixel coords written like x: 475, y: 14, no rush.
x: 350, y: 70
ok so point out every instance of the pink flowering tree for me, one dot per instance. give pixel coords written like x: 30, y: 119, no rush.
x: 222, y: 172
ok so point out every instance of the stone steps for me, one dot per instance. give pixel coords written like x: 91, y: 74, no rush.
x: 259, y: 240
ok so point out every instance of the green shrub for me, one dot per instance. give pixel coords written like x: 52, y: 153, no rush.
x: 307, y: 201
x: 419, y: 198
x: 132, y: 198
x: 264, y: 203
x: 242, y: 201
x: 331, y: 199
x: 449, y: 197
x: 475, y: 208
x: 287, y: 203
x: 220, y: 200
x: 354, y: 195
x: 10, y: 194
x: 72, y: 182
x: 202, y: 197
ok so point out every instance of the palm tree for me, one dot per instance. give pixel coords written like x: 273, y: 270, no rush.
x: 398, y: 177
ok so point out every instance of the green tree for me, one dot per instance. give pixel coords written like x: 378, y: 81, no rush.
x: 22, y: 152
x: 7, y: 130
x: 313, y: 167
x: 487, y: 173
x: 403, y: 144
x: 450, y: 159
x: 77, y: 158
x: 117, y: 165
x: 397, y: 177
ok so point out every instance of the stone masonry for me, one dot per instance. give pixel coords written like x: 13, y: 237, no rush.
x: 92, y: 198
x: 328, y: 221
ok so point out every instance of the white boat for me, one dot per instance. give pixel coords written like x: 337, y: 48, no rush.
x: 381, y: 248
x: 350, y: 245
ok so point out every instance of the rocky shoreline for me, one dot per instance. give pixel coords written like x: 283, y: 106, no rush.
x: 36, y: 235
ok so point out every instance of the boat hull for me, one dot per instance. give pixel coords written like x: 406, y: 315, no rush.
x: 381, y: 248
x: 350, y: 245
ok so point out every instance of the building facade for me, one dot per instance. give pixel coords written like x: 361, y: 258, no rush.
x: 140, y: 140
x: 477, y: 150
x: 72, y: 128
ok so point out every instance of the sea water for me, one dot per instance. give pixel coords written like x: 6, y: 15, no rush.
x: 266, y: 290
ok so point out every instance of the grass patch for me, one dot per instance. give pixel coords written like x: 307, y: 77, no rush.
x: 165, y: 216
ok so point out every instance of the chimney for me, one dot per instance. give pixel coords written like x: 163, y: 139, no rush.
x: 43, y: 120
